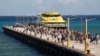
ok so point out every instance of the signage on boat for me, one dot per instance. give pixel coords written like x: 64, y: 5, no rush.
x: 56, y: 25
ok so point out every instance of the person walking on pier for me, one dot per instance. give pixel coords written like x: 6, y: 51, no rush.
x: 59, y: 37
x: 91, y: 37
x: 96, y: 38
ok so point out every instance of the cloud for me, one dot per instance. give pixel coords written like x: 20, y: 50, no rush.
x: 67, y: 1
x: 38, y: 2
x: 41, y: 5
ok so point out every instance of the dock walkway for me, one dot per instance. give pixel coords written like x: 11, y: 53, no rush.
x: 93, y: 48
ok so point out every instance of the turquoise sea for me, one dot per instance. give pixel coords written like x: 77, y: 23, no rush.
x: 12, y: 47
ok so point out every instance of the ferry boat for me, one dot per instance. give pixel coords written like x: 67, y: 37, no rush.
x: 51, y: 19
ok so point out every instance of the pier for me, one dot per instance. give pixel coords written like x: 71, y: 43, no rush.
x: 51, y: 44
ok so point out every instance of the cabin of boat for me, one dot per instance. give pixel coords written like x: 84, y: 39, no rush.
x: 52, y: 19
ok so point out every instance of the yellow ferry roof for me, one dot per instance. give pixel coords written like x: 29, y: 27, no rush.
x: 51, y: 13
x: 51, y: 17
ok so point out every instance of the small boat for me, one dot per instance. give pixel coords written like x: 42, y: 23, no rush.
x: 51, y: 19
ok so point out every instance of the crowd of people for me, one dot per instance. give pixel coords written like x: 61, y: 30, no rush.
x: 60, y: 34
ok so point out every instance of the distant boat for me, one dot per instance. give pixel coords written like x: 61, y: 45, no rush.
x: 52, y: 19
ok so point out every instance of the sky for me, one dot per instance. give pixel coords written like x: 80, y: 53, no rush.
x: 64, y: 7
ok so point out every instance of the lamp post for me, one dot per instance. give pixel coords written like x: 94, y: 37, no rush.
x: 32, y: 19
x: 68, y: 41
x: 86, y: 35
x: 16, y: 19
x: 81, y: 22
x: 27, y: 20
x: 23, y: 19
x: 20, y: 19
x: 86, y: 38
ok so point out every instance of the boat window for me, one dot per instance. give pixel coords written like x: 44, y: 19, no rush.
x: 50, y: 15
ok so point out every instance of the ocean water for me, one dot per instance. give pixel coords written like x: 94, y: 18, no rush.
x: 93, y: 26
x: 12, y: 47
